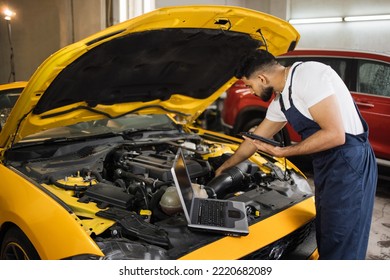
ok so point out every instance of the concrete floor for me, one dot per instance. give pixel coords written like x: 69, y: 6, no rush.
x: 379, y: 241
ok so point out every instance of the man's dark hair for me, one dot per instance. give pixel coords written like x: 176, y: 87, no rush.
x: 253, y: 62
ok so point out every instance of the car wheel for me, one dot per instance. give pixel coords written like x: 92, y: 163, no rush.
x: 283, y: 134
x: 251, y: 125
x: 16, y: 246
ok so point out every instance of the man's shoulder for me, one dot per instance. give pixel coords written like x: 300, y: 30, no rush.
x: 312, y: 68
x: 314, y: 65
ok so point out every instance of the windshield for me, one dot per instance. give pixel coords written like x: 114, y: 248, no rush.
x: 125, y: 124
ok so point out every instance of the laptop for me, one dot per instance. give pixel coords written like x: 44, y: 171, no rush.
x: 212, y: 215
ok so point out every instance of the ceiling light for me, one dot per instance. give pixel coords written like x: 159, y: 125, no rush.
x: 365, y: 18
x: 315, y: 20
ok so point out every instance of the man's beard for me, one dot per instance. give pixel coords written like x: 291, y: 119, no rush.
x: 267, y: 94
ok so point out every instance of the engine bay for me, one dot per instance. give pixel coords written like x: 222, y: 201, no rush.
x: 131, y: 184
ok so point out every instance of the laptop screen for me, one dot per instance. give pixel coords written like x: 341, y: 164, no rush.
x: 236, y: 222
x: 183, y: 180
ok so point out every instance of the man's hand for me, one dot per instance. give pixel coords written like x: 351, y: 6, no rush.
x: 218, y: 171
x: 199, y: 191
x: 267, y: 148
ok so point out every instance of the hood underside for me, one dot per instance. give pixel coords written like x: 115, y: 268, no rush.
x: 146, y: 66
x: 175, y: 59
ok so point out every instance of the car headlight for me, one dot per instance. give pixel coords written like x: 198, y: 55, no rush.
x: 125, y: 249
x: 85, y: 257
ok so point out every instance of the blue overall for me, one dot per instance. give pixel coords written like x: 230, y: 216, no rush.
x: 345, y: 179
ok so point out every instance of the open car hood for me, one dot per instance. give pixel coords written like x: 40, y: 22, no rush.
x: 172, y: 60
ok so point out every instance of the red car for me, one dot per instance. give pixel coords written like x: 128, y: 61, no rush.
x: 367, y: 76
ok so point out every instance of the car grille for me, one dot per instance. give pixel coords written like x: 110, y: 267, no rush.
x: 281, y: 248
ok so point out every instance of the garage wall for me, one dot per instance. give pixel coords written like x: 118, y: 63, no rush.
x: 372, y: 36
x: 41, y: 27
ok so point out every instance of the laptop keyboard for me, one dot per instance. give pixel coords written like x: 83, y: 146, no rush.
x: 212, y: 212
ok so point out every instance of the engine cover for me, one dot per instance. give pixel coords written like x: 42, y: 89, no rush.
x: 158, y: 166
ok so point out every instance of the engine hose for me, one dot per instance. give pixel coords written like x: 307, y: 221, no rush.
x: 96, y: 174
x: 124, y: 174
x: 227, y: 179
x: 145, y: 196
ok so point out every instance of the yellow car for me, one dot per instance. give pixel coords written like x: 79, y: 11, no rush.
x: 87, y: 151
x: 9, y: 93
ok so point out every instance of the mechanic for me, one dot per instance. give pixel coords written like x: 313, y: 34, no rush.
x: 316, y: 102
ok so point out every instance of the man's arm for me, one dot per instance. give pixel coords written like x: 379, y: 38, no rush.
x: 327, y: 115
x: 247, y: 148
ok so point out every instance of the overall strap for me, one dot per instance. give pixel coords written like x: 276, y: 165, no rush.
x: 289, y: 89
x: 291, y: 80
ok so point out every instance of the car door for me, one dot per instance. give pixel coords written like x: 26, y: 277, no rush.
x: 372, y: 96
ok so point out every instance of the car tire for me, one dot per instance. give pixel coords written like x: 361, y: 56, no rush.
x: 251, y: 125
x: 16, y: 246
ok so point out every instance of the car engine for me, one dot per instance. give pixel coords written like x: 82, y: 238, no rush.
x: 130, y: 182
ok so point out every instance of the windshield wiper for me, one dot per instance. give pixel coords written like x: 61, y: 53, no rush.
x: 39, y: 141
x: 133, y: 132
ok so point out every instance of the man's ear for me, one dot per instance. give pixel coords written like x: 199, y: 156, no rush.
x: 263, y: 78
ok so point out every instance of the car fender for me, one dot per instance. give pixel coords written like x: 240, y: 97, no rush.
x: 271, y: 229
x: 52, y: 227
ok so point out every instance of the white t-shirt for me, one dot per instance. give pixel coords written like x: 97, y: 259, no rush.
x: 313, y: 82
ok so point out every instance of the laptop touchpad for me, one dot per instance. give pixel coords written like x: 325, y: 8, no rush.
x: 234, y: 214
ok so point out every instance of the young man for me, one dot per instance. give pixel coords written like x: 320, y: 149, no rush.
x: 316, y: 102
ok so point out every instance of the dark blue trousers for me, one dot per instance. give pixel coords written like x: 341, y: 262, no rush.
x: 345, y: 181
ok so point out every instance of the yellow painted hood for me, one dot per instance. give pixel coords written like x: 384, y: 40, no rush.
x: 175, y: 59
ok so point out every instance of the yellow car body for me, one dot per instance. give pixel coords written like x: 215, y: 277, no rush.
x: 16, y: 87
x: 45, y: 212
